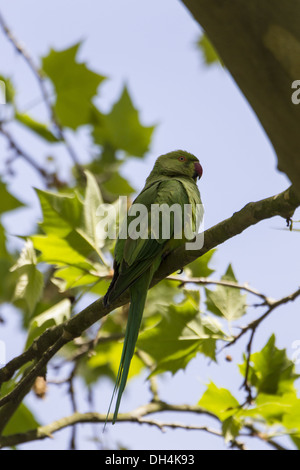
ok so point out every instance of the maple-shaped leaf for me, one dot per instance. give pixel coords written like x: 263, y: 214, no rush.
x: 121, y: 128
x: 179, y: 335
x: 75, y: 86
x: 226, y: 301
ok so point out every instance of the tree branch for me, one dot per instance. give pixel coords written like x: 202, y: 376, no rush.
x: 203, y: 281
x: 283, y: 204
x: 271, y: 306
x: 137, y: 416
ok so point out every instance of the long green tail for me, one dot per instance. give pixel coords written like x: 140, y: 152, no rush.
x: 138, y: 295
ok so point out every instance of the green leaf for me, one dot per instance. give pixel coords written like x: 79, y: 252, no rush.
x: 61, y: 212
x: 22, y: 421
x: 30, y: 282
x: 10, y: 91
x: 121, y: 128
x: 271, y: 372
x: 7, y: 201
x: 29, y: 286
x: 209, y: 53
x: 273, y: 408
x: 291, y: 420
x: 71, y: 277
x: 179, y: 335
x: 72, y: 239
x: 75, y: 85
x: 75, y: 220
x: 55, y: 315
x: 160, y: 297
x: 199, y: 267
x: 101, y: 220
x: 231, y: 428
x: 72, y: 250
x: 105, y: 361
x: 3, y: 250
x: 226, y: 302
x: 219, y: 401
x: 276, y: 411
x: 93, y: 200
x: 116, y: 184
x: 8, y: 279
x: 100, y: 288
x: 27, y: 256
x: 296, y: 440
x: 38, y: 128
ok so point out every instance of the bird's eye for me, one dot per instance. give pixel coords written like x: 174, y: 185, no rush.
x: 182, y: 159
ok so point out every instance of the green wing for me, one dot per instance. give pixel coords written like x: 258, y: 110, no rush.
x: 134, y: 256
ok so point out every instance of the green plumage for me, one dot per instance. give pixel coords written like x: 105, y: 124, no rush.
x: 172, y: 181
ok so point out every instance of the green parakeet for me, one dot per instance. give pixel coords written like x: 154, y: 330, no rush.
x: 137, y: 257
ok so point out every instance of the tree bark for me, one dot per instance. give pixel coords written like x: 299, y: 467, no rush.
x: 259, y: 43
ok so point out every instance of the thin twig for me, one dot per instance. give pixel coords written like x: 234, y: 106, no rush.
x: 88, y: 346
x: 138, y: 416
x: 245, y: 384
x: 20, y: 152
x: 37, y: 72
x: 50, y: 178
x: 253, y: 327
x: 73, y: 403
x: 207, y: 281
x: 145, y: 358
x: 189, y: 427
x: 265, y: 437
x: 272, y: 305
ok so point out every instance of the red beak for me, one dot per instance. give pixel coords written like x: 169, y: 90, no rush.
x: 198, y: 170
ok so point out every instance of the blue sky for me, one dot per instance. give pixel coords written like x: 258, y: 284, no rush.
x: 150, y: 46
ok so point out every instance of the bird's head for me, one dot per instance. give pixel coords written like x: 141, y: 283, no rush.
x: 179, y: 163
